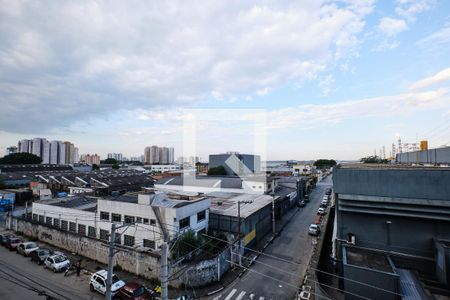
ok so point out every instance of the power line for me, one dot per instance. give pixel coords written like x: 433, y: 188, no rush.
x: 294, y: 263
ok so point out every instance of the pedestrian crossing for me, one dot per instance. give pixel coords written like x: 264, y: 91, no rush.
x: 234, y: 294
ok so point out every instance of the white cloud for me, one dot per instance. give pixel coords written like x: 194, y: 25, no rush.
x: 391, y: 26
x: 440, y: 37
x: 441, y: 76
x: 319, y: 115
x: 86, y: 59
x: 409, y: 9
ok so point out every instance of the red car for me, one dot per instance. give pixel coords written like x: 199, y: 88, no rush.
x: 12, y: 243
x: 134, y: 291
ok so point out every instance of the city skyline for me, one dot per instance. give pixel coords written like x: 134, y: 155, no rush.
x: 380, y: 71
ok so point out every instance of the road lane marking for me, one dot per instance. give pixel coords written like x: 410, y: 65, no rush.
x: 231, y: 294
x: 241, y: 295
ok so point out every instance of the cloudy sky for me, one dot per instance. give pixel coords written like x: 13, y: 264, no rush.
x: 324, y: 78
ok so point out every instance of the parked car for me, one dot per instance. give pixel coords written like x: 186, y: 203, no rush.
x: 3, y: 238
x: 134, y: 291
x: 40, y: 255
x: 12, y: 243
x: 26, y: 248
x: 56, y: 263
x: 321, y: 211
x: 324, y: 203
x: 328, y: 191
x: 314, y: 229
x: 98, y: 283
x: 302, y: 203
x: 325, y: 197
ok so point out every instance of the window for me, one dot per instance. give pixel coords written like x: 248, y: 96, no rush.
x: 56, y: 222
x: 118, y: 238
x: 152, y: 222
x: 104, y: 215
x: 116, y: 217
x: 41, y: 219
x: 145, y: 221
x: 35, y: 217
x: 48, y: 220
x: 201, y: 216
x: 92, y: 232
x: 128, y: 240
x: 64, y: 225
x: 100, y: 281
x: 81, y: 229
x: 185, y: 222
x: 138, y: 220
x: 128, y: 219
x: 149, y: 244
x: 72, y: 227
x: 104, y: 234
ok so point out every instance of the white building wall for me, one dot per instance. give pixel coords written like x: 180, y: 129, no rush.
x: 37, y: 147
x: 46, y: 152
x: 62, y: 153
x: 54, y: 152
x: 67, y: 214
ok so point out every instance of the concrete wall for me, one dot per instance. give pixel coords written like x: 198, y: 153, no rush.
x: 140, y: 263
x: 432, y: 156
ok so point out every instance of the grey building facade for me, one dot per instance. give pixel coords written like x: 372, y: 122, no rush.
x: 400, y: 214
x: 243, y: 164
x: 431, y: 156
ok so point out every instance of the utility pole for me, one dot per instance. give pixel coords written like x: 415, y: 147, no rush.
x: 164, y: 272
x: 239, y: 229
x: 112, y: 240
x: 112, y: 252
x: 273, y: 207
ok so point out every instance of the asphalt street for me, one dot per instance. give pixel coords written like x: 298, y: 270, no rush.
x: 270, y: 278
x: 22, y: 279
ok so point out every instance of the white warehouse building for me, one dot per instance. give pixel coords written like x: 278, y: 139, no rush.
x: 151, y: 216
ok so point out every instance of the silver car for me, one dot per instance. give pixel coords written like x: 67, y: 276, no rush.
x: 314, y: 229
x: 26, y: 248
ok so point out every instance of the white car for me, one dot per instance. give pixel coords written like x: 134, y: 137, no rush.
x: 324, y: 202
x: 314, y: 229
x: 26, y: 248
x: 98, y: 283
x: 321, y: 211
x: 56, y: 263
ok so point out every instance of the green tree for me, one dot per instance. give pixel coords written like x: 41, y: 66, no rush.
x: 109, y: 161
x: 220, y: 170
x: 374, y: 160
x: 325, y: 163
x: 95, y: 167
x: 20, y: 159
x: 186, y: 244
x: 115, y: 166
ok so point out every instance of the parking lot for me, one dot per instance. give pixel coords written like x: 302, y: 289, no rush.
x: 23, y: 279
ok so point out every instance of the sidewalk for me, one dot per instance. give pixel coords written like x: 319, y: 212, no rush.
x: 233, y: 274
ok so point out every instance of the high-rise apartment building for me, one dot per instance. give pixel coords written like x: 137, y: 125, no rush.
x: 159, y: 155
x: 116, y: 156
x: 91, y: 159
x: 45, y: 152
x: 54, y: 152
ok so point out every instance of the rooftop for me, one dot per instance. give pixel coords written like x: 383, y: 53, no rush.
x: 160, y: 199
x: 223, y: 203
x: 368, y: 259
x: 77, y: 202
